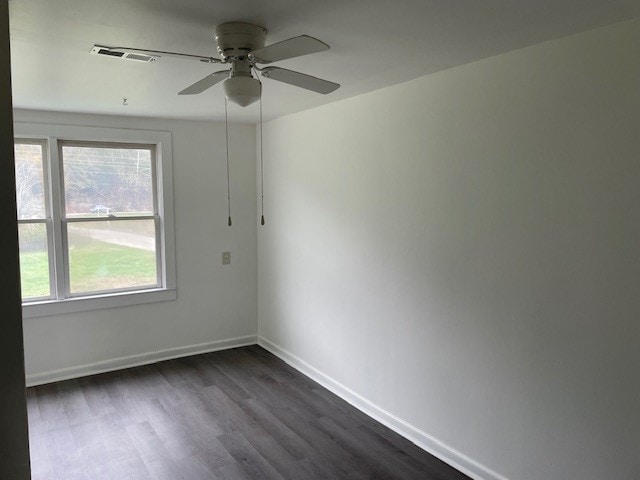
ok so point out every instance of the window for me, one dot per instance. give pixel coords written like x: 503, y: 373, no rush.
x: 94, y: 217
x: 34, y: 230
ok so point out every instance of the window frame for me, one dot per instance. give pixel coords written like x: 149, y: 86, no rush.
x: 53, y: 137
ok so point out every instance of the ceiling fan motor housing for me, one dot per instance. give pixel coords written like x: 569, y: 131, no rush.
x: 237, y: 39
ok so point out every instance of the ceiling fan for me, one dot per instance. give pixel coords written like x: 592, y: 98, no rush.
x: 241, y: 46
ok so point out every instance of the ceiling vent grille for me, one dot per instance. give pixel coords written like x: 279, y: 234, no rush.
x: 138, y: 57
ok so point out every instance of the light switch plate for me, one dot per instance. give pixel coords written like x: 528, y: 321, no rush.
x: 226, y: 258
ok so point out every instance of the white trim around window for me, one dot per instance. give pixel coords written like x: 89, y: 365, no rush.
x: 61, y: 302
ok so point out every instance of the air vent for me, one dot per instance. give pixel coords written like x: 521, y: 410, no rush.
x: 138, y: 57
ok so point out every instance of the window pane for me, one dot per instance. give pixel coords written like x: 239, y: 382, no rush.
x: 111, y: 255
x: 34, y: 260
x: 101, y: 181
x: 29, y: 181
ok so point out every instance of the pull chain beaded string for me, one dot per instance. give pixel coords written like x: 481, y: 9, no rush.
x: 261, y: 167
x: 226, y: 131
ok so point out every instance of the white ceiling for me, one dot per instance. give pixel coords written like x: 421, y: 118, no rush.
x: 375, y: 43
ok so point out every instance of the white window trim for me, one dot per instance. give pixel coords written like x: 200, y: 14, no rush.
x: 162, y: 142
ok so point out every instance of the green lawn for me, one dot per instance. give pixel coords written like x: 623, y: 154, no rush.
x: 94, y: 266
x: 34, y: 273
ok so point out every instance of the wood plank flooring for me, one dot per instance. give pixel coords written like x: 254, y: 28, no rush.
x: 238, y: 414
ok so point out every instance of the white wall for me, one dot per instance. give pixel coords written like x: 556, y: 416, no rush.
x: 215, y: 303
x: 463, y: 252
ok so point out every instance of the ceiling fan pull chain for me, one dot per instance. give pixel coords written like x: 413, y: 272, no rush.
x: 261, y: 165
x: 226, y: 131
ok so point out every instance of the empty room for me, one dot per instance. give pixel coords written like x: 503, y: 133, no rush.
x: 320, y: 240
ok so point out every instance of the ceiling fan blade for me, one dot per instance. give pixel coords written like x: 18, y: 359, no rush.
x: 293, y: 47
x: 114, y: 51
x: 300, y: 80
x: 207, y: 82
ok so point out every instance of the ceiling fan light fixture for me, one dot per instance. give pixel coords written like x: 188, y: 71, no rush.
x: 242, y: 90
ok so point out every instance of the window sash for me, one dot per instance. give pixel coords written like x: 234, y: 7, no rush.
x: 47, y: 220
x: 113, y: 145
x: 52, y: 286
x: 67, y: 266
x: 45, y: 172
x: 65, y: 220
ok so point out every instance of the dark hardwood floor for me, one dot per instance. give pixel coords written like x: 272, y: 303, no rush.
x: 236, y: 414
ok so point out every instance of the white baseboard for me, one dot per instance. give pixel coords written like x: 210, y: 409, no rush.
x: 458, y: 460
x: 136, y: 360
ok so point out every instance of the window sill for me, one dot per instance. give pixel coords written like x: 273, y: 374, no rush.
x: 121, y: 299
